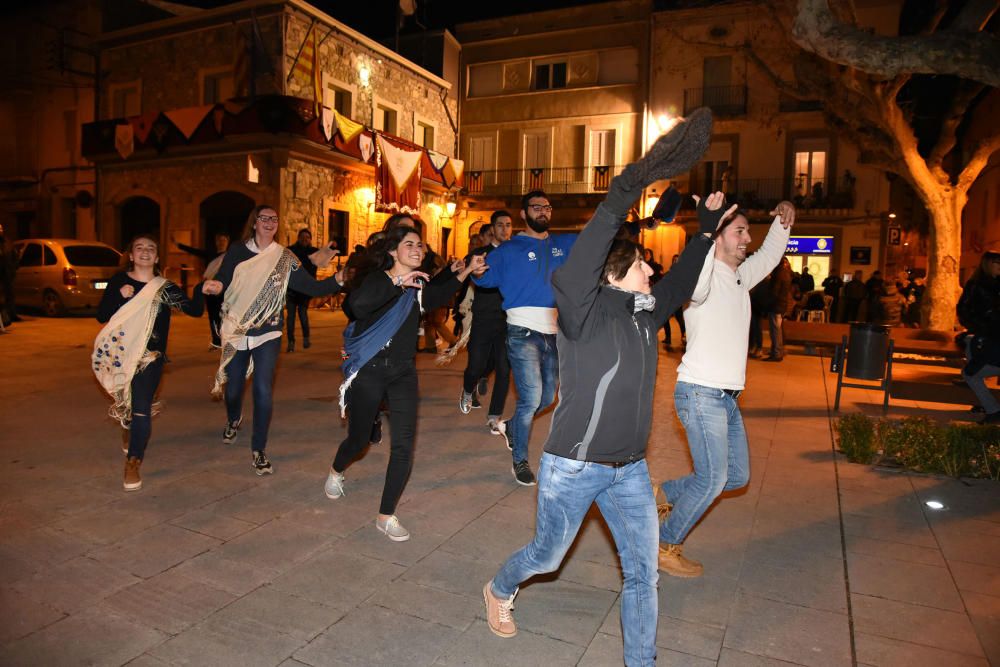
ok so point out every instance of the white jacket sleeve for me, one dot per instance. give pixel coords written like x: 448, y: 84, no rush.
x: 761, y: 263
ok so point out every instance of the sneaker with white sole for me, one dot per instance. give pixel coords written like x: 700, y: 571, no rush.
x: 523, y: 475
x: 231, y: 431
x: 393, y: 529
x: 498, y: 612
x: 465, y: 403
x: 334, y: 487
x: 475, y: 401
x: 261, y: 465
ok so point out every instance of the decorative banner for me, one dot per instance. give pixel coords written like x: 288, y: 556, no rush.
x: 367, y: 147
x: 326, y: 122
x: 188, y: 119
x: 218, y: 115
x: 397, y: 178
x: 438, y: 160
x: 241, y: 65
x: 143, y: 125
x: 124, y: 140
x: 348, y: 128
x: 452, y: 171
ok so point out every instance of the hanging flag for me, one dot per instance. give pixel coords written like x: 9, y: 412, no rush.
x: 452, y: 171
x: 397, y: 178
x: 188, y: 119
x: 348, y: 128
x: 367, y: 147
x: 306, y: 68
x: 438, y: 160
x: 124, y: 140
x: 326, y: 122
x: 241, y: 65
x: 143, y: 125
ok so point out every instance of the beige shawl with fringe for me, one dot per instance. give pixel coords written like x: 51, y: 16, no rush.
x: 120, y: 348
x: 255, y: 295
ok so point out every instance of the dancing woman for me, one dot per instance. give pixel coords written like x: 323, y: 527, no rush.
x: 255, y: 275
x: 381, y: 345
x: 130, y: 351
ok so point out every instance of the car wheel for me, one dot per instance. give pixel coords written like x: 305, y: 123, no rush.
x: 52, y: 305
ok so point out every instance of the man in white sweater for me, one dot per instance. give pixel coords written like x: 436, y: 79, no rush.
x: 712, y: 375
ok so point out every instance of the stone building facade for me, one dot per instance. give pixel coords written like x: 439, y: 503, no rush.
x: 170, y: 80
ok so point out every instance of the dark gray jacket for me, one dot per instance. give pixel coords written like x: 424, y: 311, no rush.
x: 607, y: 354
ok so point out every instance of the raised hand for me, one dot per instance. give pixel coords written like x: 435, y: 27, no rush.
x: 710, y: 215
x: 458, y: 265
x: 786, y: 210
x: 412, y: 279
x: 322, y: 257
x: 211, y: 287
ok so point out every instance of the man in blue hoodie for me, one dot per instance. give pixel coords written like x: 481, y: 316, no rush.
x: 522, y: 270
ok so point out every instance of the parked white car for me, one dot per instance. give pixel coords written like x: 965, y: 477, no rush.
x: 59, y: 275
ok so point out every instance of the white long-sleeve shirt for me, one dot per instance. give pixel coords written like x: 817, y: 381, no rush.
x: 718, y: 318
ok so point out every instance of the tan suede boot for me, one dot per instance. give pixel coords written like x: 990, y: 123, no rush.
x: 133, y: 481
x: 673, y: 562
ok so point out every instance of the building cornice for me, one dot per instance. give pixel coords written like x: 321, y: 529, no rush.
x: 243, y: 10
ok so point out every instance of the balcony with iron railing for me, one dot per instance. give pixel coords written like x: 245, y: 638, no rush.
x: 758, y: 194
x: 554, y: 180
x: 722, y: 100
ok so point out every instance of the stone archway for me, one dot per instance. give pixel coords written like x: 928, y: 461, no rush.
x: 137, y: 215
x: 224, y: 213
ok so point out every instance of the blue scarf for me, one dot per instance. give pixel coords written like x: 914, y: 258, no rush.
x: 360, y: 349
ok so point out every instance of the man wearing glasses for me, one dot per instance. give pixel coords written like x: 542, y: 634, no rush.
x: 522, y: 270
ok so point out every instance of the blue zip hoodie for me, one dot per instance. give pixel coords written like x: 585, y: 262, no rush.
x: 522, y: 269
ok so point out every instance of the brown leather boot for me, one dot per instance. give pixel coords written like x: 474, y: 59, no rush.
x: 133, y: 481
x: 673, y: 562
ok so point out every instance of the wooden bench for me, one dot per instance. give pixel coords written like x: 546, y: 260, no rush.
x: 927, y: 342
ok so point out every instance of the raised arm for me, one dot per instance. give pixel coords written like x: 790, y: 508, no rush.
x: 678, y: 284
x: 761, y: 263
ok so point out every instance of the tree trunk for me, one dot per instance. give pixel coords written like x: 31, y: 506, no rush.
x: 937, y: 310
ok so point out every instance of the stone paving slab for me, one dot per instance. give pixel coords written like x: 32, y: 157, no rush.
x: 209, y: 564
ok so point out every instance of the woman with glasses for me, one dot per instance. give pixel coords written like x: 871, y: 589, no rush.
x: 255, y: 275
x: 381, y: 345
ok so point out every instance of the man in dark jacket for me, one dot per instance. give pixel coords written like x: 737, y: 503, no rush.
x: 979, y: 312
x: 298, y: 303
x: 781, y: 294
x: 608, y: 319
x: 488, y: 338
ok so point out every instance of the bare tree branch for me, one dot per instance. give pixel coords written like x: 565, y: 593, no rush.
x: 978, y: 162
x: 949, y: 124
x: 974, y: 56
x: 974, y: 16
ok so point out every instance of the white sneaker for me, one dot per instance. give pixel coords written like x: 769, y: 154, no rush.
x: 393, y: 529
x: 334, y: 486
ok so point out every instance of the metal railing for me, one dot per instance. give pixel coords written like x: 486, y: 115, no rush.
x: 765, y: 193
x: 554, y: 180
x: 722, y: 100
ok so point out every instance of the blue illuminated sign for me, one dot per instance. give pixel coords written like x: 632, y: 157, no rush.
x: 809, y: 245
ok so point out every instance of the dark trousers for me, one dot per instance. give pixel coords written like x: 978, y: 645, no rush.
x: 213, y: 304
x: 397, y: 382
x: 144, y: 384
x: 756, y: 334
x: 488, y: 347
x: 300, y: 307
x: 265, y: 358
x: 679, y: 316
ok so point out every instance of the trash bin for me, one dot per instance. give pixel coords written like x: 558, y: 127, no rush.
x: 867, y: 351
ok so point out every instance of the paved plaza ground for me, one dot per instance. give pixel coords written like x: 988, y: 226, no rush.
x: 817, y: 562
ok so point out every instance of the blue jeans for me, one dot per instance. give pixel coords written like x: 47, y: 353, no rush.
x: 566, y: 490
x: 534, y: 361
x: 718, y: 444
x: 977, y: 383
x: 265, y: 357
